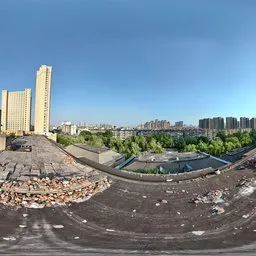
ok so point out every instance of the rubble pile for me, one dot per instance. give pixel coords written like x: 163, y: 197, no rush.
x: 217, y: 210
x: 247, y: 186
x: 46, y: 192
x: 210, y: 197
x: 68, y: 160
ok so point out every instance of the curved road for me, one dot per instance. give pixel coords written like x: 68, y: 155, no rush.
x: 130, y: 218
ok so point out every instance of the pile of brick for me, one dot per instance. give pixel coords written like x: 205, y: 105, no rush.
x: 46, y: 192
x: 68, y: 160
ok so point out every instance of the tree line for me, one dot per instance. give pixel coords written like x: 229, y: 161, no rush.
x: 156, y: 143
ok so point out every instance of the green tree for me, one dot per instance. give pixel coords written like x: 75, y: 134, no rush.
x: 253, y: 135
x: 190, y: 148
x: 245, y: 139
x: 221, y: 135
x: 96, y: 141
x: 203, y: 147
x: 179, y: 143
x: 86, y: 134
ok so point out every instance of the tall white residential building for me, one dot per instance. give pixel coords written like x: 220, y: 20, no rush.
x: 16, y: 111
x: 43, y: 99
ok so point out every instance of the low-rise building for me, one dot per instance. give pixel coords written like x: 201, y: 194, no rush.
x: 123, y: 133
x: 99, y: 155
x: 68, y: 128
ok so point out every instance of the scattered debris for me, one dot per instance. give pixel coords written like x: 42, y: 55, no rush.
x: 76, y: 237
x: 110, y: 230
x: 210, y: 197
x: 178, y: 213
x: 182, y: 225
x: 22, y: 226
x: 33, y: 205
x: 25, y: 215
x: 10, y: 238
x: 68, y: 160
x: 217, y: 172
x: 198, y: 233
x: 84, y: 221
x: 169, y: 191
x: 245, y: 216
x: 144, y: 196
x: 39, y: 193
x: 248, y: 186
x: 183, y: 190
x: 164, y: 201
x: 169, y: 180
x: 134, y: 210
x: 58, y: 226
x: 157, y: 204
x: 217, y: 210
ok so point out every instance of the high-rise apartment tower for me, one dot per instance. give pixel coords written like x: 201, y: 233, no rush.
x: 16, y: 111
x: 43, y: 99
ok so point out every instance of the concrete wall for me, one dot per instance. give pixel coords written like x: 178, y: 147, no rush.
x: 107, y: 156
x: 80, y: 152
x: 3, y: 143
x: 152, y: 177
x: 101, y: 158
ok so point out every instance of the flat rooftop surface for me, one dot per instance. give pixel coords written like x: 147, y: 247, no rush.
x: 177, y: 166
x: 130, y: 218
x: 44, y: 159
x: 169, y: 155
x: 91, y: 148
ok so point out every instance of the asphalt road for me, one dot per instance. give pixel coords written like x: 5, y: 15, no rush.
x: 129, y: 218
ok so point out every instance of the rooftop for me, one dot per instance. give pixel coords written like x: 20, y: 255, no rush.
x: 92, y: 148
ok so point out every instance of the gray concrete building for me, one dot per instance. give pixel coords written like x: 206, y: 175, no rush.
x: 253, y: 123
x: 98, y: 155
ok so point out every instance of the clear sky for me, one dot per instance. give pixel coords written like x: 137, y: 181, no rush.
x: 129, y: 61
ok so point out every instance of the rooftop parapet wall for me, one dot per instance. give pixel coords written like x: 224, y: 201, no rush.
x: 156, y: 177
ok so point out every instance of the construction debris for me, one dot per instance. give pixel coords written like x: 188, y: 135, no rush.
x: 58, y: 226
x: 46, y: 192
x: 210, y: 197
x: 11, y: 238
x: 198, y: 233
x: 68, y: 160
x: 217, y: 210
x: 246, y: 216
x: 248, y: 186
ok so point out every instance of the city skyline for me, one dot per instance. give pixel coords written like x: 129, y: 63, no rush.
x: 151, y: 64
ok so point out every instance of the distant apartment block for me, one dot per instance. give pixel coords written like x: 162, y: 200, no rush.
x: 16, y: 111
x: 218, y: 123
x: 206, y: 123
x: 68, y: 128
x: 43, y: 98
x: 232, y: 123
x: 253, y: 123
x: 156, y: 125
x: 123, y: 133
x: 244, y: 122
x: 179, y: 124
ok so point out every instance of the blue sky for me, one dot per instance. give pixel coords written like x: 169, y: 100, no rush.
x: 129, y: 61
